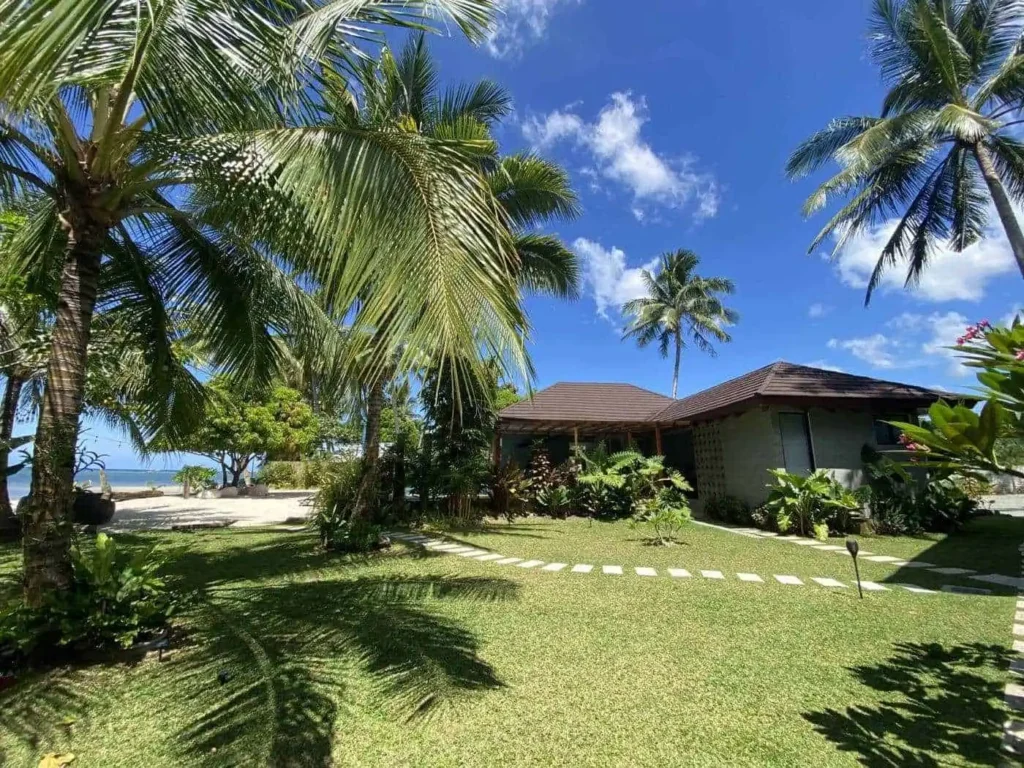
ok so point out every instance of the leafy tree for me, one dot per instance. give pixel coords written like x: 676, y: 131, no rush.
x: 237, y: 429
x: 680, y: 307
x: 943, y: 147
x: 175, y: 145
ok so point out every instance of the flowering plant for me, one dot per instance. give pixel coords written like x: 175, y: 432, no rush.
x: 955, y: 436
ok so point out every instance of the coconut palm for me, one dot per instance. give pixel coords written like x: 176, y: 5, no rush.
x: 680, y: 307
x: 401, y: 94
x: 941, y: 152
x: 176, y: 145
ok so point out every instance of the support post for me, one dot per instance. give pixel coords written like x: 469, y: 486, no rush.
x: 657, y: 441
x: 575, y: 438
x: 629, y: 440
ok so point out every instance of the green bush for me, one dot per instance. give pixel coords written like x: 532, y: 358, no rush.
x: 728, y: 509
x: 553, y: 501
x: 509, y: 492
x: 901, y: 505
x: 666, y: 513
x: 820, y: 531
x: 116, y: 599
x: 314, y: 472
x: 278, y: 474
x: 333, y: 509
x: 806, y: 500
x: 196, y: 477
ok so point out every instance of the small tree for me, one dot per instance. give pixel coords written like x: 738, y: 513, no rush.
x: 236, y: 430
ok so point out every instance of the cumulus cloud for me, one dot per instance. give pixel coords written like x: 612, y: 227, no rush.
x: 817, y: 310
x: 948, y: 275
x: 620, y: 154
x: 520, y: 23
x: 611, y: 282
x: 877, y: 350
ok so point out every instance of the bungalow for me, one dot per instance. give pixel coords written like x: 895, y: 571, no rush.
x: 724, y: 439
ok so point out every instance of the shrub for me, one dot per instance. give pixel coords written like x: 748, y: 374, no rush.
x: 783, y: 522
x: 509, y: 492
x: 554, y: 501
x: 278, y: 474
x: 811, y: 499
x: 333, y: 507
x: 667, y: 513
x: 900, y: 505
x: 728, y: 509
x: 197, y: 478
x: 116, y: 599
x: 820, y: 531
x: 315, y: 472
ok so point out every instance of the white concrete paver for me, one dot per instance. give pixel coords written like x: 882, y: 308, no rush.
x: 917, y: 564
x: 751, y: 577
x: 582, y: 568
x: 872, y: 586
x: 530, y: 564
x: 952, y: 571
x: 490, y: 556
x: 554, y: 567
x: 646, y: 572
x: 611, y: 570
x: 884, y: 559
x: 712, y: 574
x: 678, y: 573
x: 507, y: 560
x: 829, y: 583
x: 791, y: 580
x: 916, y: 589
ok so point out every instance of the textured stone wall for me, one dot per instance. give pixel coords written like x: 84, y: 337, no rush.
x: 707, y: 451
x: 752, y: 445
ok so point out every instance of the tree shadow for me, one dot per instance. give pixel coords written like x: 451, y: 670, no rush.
x: 291, y: 651
x: 943, y: 705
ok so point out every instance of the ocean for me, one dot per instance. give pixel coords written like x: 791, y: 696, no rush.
x: 18, y: 484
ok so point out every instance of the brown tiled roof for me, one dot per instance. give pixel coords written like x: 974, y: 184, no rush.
x: 786, y: 380
x: 571, y: 401
x: 622, y: 403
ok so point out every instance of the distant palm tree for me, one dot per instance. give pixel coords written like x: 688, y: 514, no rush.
x: 680, y: 306
x: 940, y: 152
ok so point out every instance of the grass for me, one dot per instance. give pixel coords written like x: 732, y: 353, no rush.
x: 410, y: 658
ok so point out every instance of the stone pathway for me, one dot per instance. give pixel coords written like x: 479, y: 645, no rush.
x: 991, y: 578
x: 450, y: 548
x: 1013, y: 730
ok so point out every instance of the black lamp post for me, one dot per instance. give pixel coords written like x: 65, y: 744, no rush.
x: 853, y: 548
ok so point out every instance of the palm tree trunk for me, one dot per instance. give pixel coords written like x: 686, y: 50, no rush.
x: 46, y: 521
x: 1002, y: 203
x: 366, y: 497
x: 675, y: 373
x: 10, y: 527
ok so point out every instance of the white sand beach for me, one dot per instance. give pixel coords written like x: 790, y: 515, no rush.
x: 172, y: 510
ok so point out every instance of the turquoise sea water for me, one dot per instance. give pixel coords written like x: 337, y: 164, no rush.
x: 18, y: 484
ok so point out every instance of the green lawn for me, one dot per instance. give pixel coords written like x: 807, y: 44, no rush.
x: 411, y: 658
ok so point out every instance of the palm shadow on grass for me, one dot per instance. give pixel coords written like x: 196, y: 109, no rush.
x: 291, y: 651
x: 947, y: 702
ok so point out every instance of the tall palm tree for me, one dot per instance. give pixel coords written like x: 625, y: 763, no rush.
x: 176, y: 145
x: 941, y: 151
x: 401, y: 94
x: 680, y: 307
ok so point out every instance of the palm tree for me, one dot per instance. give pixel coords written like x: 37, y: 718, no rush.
x: 176, y: 145
x: 401, y: 95
x: 680, y: 306
x: 941, y: 149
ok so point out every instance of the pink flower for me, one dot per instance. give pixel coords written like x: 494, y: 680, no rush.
x: 1020, y: 355
x: 960, y: 341
x: 984, y: 324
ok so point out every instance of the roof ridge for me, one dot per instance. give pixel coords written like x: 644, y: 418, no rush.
x: 772, y: 370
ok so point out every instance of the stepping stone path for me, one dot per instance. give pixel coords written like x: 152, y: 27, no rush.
x: 440, y: 546
x: 1013, y: 694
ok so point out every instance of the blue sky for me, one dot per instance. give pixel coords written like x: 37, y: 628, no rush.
x: 675, y: 122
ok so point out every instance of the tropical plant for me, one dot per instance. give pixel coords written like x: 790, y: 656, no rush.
x: 176, y: 146
x: 193, y: 477
x: 332, y: 511
x: 943, y: 148
x: 680, y: 307
x: 666, y: 513
x: 554, y: 501
x: 618, y: 483
x: 955, y: 438
x: 806, y: 500
x: 509, y: 492
x: 728, y: 509
x: 118, y: 599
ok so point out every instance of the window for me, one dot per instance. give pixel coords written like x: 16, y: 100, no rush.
x: 887, y: 434
x: 796, y: 443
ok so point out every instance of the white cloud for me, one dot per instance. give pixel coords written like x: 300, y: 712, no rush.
x: 878, y: 351
x: 948, y: 276
x: 620, y: 154
x: 611, y: 282
x: 817, y: 310
x: 825, y: 366
x: 519, y: 23
x: 1009, y: 317
x: 944, y: 329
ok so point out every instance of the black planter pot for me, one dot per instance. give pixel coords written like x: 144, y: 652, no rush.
x: 92, y: 509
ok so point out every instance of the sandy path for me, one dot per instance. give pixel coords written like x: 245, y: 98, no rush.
x: 171, y: 510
